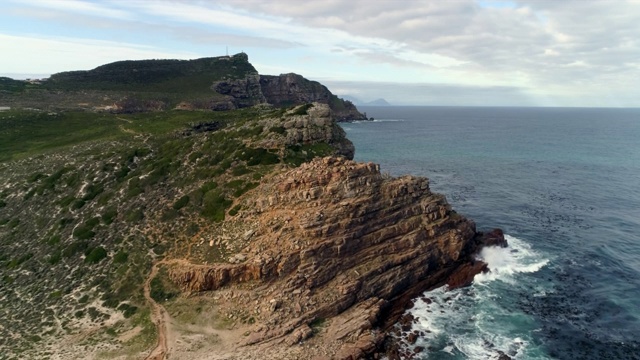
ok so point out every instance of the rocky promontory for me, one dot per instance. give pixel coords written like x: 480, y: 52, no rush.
x: 337, y: 243
x: 215, y: 83
x: 155, y: 232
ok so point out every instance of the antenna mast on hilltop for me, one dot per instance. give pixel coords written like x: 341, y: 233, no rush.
x: 227, y: 51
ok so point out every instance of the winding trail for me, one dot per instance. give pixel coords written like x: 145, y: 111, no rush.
x: 159, y: 315
x: 160, y: 318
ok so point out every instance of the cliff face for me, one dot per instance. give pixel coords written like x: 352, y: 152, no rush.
x: 249, y: 234
x: 217, y: 83
x: 335, y: 241
x: 238, y: 93
x: 293, y: 89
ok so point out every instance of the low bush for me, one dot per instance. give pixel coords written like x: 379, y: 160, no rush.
x: 96, y: 255
x: 182, y: 202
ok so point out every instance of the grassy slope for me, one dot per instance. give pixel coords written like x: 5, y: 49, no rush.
x: 88, y: 202
x: 165, y: 81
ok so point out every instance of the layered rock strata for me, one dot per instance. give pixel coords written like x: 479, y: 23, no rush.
x: 335, y: 241
x: 293, y: 89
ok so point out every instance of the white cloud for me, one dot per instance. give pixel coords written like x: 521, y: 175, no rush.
x: 78, y: 6
x: 64, y: 54
x: 561, y: 49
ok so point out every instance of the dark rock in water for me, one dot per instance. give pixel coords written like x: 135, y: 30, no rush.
x: 494, y: 238
x: 464, y: 275
x: 412, y: 338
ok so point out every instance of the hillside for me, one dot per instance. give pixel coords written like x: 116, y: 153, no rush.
x: 217, y: 83
x: 186, y: 233
x: 90, y: 201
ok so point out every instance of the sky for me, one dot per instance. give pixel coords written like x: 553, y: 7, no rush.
x: 583, y: 53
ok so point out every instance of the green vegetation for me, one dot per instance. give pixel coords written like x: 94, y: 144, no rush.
x: 85, y: 230
x: 74, y: 248
x: 155, y: 76
x: 162, y: 289
x: 302, y: 109
x: 182, y: 202
x: 278, y: 130
x: 26, y: 133
x: 120, y: 257
x: 12, y: 86
x: 96, y: 198
x: 109, y: 215
x: 95, y: 255
x: 214, y: 205
x: 297, y: 154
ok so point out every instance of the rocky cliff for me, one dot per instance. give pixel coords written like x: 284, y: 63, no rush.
x: 215, y: 83
x: 333, y: 242
x: 293, y: 89
x: 246, y: 234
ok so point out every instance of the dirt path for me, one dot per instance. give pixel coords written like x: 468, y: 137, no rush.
x: 159, y: 314
x: 145, y: 137
x: 160, y: 317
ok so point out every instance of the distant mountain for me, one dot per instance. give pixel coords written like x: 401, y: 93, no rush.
x: 131, y: 86
x: 358, y: 102
x: 378, y: 102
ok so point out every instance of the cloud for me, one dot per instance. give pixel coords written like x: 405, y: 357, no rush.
x: 79, y: 7
x: 64, y: 54
x: 504, y: 41
x: 549, y: 49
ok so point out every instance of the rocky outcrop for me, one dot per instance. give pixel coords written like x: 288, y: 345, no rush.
x: 318, y: 126
x: 293, y: 89
x: 335, y: 239
x: 215, y: 83
x: 242, y: 92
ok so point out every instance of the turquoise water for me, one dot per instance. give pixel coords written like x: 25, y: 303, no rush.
x: 564, y: 184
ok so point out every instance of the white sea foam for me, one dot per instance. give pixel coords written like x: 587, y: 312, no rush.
x: 376, y: 121
x: 504, y: 263
x: 473, y: 322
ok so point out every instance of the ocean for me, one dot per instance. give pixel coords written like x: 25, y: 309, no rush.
x: 564, y: 185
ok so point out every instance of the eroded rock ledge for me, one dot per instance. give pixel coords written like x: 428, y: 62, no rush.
x: 336, y: 241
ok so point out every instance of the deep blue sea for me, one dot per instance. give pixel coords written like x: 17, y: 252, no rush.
x: 564, y: 185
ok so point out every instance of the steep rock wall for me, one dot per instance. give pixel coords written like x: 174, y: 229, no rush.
x: 293, y: 89
x: 335, y: 239
x: 239, y: 93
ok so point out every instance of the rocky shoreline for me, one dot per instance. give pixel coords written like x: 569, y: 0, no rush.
x: 336, y: 242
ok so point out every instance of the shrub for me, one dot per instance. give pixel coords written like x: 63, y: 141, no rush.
x: 127, y: 310
x: 302, y: 110
x: 234, y: 210
x: 55, y: 257
x: 240, y: 170
x: 75, y: 248
x: 78, y: 204
x: 258, y: 156
x: 182, y: 202
x: 215, y: 205
x: 85, y: 230
x: 95, y: 255
x: 159, y: 291
x: 92, y: 191
x: 135, y: 215
x: 278, y: 130
x: 109, y: 215
x: 66, y: 201
x: 54, y: 240
x: 120, y: 257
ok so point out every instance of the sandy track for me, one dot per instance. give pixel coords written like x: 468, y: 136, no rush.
x: 160, y: 317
